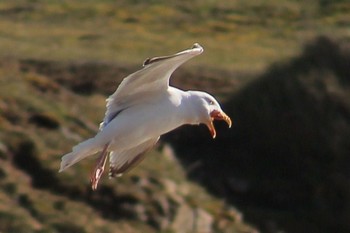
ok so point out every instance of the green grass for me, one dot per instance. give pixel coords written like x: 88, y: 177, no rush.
x: 236, y: 35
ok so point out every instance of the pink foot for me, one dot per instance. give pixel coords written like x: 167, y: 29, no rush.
x: 99, y: 168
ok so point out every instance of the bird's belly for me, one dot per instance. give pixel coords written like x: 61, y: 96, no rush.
x: 139, y: 124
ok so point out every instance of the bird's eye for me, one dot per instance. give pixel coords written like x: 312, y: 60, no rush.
x: 210, y: 102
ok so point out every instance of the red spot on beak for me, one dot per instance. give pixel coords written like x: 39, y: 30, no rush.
x: 217, y: 115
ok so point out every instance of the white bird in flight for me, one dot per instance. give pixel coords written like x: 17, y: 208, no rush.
x: 142, y: 108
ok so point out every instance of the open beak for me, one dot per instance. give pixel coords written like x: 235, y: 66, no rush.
x: 218, y: 115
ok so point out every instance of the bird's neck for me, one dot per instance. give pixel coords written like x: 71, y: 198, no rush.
x: 189, y: 108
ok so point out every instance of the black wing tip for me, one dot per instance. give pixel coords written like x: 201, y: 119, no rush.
x: 113, y: 173
x: 196, y: 46
x: 147, y: 61
x: 155, y: 59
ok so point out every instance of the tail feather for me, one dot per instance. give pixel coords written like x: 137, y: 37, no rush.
x: 79, y: 152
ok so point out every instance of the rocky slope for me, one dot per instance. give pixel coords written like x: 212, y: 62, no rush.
x: 41, y: 118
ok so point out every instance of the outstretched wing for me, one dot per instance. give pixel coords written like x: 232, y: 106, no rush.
x: 121, y: 162
x: 152, y: 80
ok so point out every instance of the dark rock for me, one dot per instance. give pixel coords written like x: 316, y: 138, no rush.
x: 68, y: 227
x: 44, y: 121
x: 25, y: 158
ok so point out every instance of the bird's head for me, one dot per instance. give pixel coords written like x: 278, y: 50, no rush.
x: 206, y: 110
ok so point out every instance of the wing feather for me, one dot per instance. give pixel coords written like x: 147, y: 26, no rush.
x: 152, y: 80
x: 121, y: 162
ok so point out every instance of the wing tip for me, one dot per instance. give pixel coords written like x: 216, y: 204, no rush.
x: 196, y: 49
x: 147, y: 61
x: 114, y: 173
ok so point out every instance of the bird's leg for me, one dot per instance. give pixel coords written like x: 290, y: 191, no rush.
x: 99, y: 168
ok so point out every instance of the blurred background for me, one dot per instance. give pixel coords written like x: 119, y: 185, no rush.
x: 281, y: 68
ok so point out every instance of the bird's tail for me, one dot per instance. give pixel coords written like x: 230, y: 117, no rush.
x: 79, y: 152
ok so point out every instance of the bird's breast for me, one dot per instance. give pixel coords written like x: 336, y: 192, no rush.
x: 142, y: 122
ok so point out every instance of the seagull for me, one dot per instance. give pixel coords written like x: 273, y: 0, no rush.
x: 143, y: 108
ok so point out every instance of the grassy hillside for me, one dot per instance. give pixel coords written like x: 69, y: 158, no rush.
x: 39, y: 121
x: 236, y: 34
x: 60, y: 59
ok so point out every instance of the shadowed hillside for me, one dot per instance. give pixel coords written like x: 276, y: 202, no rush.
x: 286, y: 161
x: 41, y: 119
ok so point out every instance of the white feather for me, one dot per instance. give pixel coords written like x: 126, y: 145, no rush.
x: 142, y: 108
x: 79, y: 152
x: 126, y: 158
x: 147, y: 83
